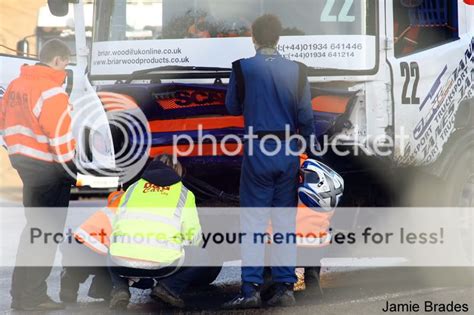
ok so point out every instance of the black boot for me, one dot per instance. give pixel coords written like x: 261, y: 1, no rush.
x: 249, y: 298
x: 69, y: 286
x: 120, y: 299
x: 101, y: 287
x: 313, y: 281
x: 162, y: 293
x: 283, y: 295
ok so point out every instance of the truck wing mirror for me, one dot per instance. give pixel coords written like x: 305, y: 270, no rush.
x: 58, y: 7
x: 23, y: 48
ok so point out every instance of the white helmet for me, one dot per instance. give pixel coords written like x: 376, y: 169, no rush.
x: 322, y: 187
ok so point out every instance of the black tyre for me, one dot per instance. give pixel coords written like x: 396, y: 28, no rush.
x: 460, y: 181
x: 460, y: 194
x: 456, y: 190
x: 449, y: 182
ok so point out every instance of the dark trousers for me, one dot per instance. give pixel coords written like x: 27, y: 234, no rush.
x: 175, y: 280
x: 29, y: 283
x: 94, y: 265
x: 186, y: 276
x: 121, y: 275
x: 72, y: 277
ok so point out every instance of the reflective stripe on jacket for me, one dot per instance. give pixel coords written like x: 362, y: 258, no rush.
x: 34, y: 116
x: 153, y: 223
x: 96, y: 230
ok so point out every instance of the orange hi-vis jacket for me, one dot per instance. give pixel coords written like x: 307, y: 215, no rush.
x: 312, y: 227
x: 96, y: 230
x: 35, y: 118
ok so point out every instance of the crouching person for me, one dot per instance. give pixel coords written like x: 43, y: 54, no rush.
x: 92, y: 247
x: 156, y: 218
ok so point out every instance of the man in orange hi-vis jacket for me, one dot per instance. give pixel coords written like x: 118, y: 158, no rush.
x: 35, y: 124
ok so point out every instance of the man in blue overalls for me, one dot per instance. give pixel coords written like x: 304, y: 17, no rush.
x: 273, y: 94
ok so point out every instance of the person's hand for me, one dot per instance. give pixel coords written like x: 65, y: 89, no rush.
x: 317, y: 145
x: 313, y: 148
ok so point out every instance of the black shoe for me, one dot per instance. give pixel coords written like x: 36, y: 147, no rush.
x: 283, y: 295
x: 312, y: 273
x: 162, y: 293
x: 120, y: 299
x: 313, y: 282
x: 100, y: 288
x: 241, y: 302
x: 68, y: 288
x: 48, y: 305
x: 268, y: 291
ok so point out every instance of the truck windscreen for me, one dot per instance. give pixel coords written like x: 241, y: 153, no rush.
x: 324, y: 34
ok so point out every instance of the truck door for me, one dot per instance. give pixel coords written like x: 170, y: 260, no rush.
x: 95, y: 151
x: 428, y: 48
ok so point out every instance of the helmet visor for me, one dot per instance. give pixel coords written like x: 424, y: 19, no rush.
x: 311, y: 177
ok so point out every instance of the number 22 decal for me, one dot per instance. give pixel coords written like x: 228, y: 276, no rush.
x: 343, y: 15
x: 408, y: 72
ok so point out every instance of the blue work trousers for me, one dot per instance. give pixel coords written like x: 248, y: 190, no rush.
x: 268, y: 192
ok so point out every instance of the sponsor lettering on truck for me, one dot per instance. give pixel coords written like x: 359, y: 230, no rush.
x: 391, y: 82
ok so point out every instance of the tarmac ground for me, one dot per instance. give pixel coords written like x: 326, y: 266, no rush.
x: 352, y: 292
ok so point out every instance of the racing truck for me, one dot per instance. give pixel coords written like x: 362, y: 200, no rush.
x: 391, y: 83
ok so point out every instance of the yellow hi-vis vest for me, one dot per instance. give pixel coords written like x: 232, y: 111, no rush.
x: 153, y: 223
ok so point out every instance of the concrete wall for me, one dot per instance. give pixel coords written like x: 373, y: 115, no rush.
x: 17, y: 20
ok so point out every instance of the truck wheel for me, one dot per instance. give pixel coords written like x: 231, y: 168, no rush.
x: 455, y: 189
x: 442, y: 184
x: 421, y: 189
x: 459, y: 192
x: 461, y: 181
x: 460, y: 186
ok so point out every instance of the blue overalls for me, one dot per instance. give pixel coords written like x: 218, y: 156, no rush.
x: 270, y: 93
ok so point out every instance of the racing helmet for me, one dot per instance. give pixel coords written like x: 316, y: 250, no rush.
x: 321, y: 187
